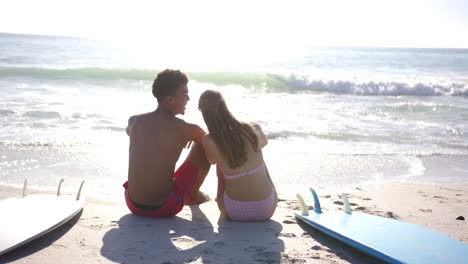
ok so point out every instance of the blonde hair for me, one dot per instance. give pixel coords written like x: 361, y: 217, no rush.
x: 228, y: 133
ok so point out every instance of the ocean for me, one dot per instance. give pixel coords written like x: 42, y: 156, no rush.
x: 336, y: 118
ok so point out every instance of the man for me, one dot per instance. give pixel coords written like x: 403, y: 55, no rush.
x: 156, y: 141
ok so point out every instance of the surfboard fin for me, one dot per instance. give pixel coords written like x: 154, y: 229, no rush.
x: 347, y: 209
x: 79, y: 191
x: 24, y: 187
x: 317, y: 207
x: 60, y: 185
x: 304, y: 210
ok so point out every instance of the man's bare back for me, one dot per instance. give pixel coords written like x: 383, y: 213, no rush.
x: 156, y: 141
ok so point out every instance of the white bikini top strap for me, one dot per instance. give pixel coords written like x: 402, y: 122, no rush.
x: 245, y: 172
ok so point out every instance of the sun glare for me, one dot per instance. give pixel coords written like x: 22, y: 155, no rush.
x: 211, y: 25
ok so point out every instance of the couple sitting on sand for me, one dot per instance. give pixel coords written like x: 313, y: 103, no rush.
x: 245, y: 189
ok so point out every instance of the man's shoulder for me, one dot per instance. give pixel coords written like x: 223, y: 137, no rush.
x: 179, y: 120
x: 191, y: 132
x: 139, y: 120
x: 136, y: 117
x: 153, y: 118
x: 144, y: 117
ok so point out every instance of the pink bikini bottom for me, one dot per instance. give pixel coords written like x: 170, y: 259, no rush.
x: 250, y: 210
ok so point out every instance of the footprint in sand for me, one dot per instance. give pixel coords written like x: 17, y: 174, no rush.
x: 285, y: 258
x: 255, y: 249
x: 316, y: 248
x: 218, y: 243
x: 208, y: 251
x: 287, y: 235
x: 265, y: 257
x: 426, y: 210
x: 341, y: 203
x: 59, y: 245
x: 288, y: 222
x: 391, y: 215
x: 449, y: 189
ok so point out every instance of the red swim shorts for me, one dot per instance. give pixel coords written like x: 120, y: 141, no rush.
x: 184, y: 179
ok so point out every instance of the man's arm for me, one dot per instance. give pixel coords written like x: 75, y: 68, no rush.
x: 194, y: 133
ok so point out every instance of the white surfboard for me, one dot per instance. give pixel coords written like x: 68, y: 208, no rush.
x: 28, y: 217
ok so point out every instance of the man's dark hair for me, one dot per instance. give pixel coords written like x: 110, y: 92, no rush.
x: 166, y: 83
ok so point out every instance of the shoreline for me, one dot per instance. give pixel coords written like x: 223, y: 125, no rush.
x: 105, y: 231
x: 107, y: 185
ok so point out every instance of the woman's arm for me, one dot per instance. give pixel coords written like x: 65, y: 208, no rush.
x: 269, y: 178
x: 209, y: 147
x: 220, y: 194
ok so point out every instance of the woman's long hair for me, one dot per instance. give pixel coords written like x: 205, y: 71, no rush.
x: 228, y: 133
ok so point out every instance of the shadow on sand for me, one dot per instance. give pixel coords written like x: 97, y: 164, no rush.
x: 178, y: 240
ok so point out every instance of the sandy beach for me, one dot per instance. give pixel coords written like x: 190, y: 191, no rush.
x: 369, y: 98
x: 105, y: 232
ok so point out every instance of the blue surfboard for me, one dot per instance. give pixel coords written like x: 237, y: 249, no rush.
x: 390, y: 240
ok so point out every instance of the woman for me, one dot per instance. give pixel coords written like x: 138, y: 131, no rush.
x: 245, y: 189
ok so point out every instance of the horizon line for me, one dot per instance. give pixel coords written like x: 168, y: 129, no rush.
x: 309, y: 45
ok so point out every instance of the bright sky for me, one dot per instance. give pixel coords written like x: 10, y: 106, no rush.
x: 238, y: 23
